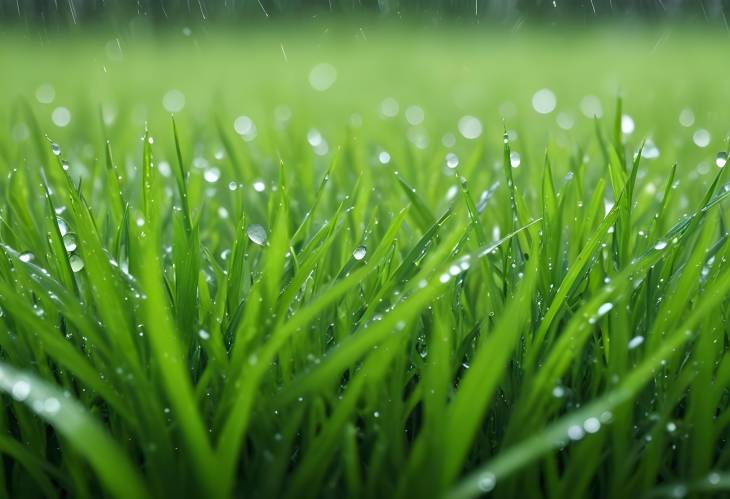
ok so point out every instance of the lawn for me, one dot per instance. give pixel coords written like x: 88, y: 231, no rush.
x: 365, y: 259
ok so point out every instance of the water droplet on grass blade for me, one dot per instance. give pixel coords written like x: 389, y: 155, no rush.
x: 627, y: 124
x: 384, y: 157
x: 26, y: 257
x: 660, y: 245
x: 686, y: 117
x: 51, y: 405
x: 486, y: 482
x: 55, y: 149
x: 721, y: 159
x: 69, y: 242
x: 575, y: 432
x: 514, y: 159
x: 604, y: 309
x: 635, y: 342
x: 359, y: 253
x: 20, y: 390
x: 257, y: 234
x: 203, y: 334
x: 77, y: 264
x: 591, y: 425
x: 259, y: 186
x: 452, y: 160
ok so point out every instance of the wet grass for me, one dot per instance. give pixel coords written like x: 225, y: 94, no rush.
x: 409, y: 283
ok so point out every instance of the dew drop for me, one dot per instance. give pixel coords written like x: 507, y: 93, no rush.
x: 575, y: 432
x: 203, y: 334
x: 20, y: 390
x: 55, y: 149
x: 77, y: 264
x: 51, y: 405
x: 470, y: 127
x: 487, y: 481
x: 211, y: 175
x: 635, y: 342
x: 257, y: 234
x: 721, y: 159
x: 69, y: 242
x: 604, y: 309
x: 452, y: 160
x: 26, y: 257
x: 514, y: 159
x: 660, y: 245
x: 259, y: 186
x: 701, y: 138
x: 359, y: 253
x: 591, y: 425
x: 544, y: 101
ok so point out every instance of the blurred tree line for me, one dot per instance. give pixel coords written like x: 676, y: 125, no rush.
x: 59, y: 12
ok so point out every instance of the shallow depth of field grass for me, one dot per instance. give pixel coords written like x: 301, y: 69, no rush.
x: 360, y: 263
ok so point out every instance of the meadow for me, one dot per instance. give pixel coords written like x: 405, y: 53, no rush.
x: 365, y: 259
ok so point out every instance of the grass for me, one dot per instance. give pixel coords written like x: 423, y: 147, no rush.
x: 321, y: 301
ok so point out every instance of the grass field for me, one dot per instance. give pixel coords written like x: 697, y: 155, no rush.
x: 365, y: 261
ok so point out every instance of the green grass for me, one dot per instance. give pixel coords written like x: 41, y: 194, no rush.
x: 329, y: 310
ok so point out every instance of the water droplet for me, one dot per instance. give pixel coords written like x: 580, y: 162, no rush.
x: 575, y: 432
x: 650, y: 150
x: 671, y: 427
x: 64, y: 165
x: 452, y: 160
x: 635, y: 342
x: 389, y: 108
x: 627, y: 124
x: 384, y: 157
x: 45, y: 93
x: 470, y: 127
x: 604, y: 309
x: 211, y: 175
x: 20, y: 390
x: 232, y: 186
x: 701, y: 138
x: 591, y: 425
x: 173, y: 101
x: 660, y: 245
x: 558, y: 392
x: 514, y: 159
x: 590, y: 106
x: 686, y: 118
x: 359, y: 253
x: 203, y: 334
x: 721, y: 159
x: 259, y: 186
x: 544, y: 101
x: 714, y: 478
x: 487, y: 481
x: 322, y: 76
x: 69, y: 242
x: 61, y: 116
x: 26, y: 257
x: 51, y: 405
x: 414, y: 115
x: 55, y: 149
x: 243, y: 125
x: 77, y: 264
x: 257, y: 234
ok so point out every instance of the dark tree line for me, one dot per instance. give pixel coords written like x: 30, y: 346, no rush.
x: 58, y: 12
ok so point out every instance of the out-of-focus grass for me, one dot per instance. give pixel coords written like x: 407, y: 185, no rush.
x: 409, y: 283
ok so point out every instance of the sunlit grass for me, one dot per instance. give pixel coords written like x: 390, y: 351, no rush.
x: 365, y: 266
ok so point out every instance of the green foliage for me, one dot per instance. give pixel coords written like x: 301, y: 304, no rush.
x: 334, y: 303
